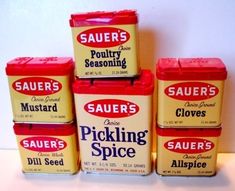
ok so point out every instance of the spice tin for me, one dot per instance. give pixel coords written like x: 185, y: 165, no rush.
x: 40, y: 89
x: 190, y: 92
x: 115, y: 123
x: 187, y: 152
x: 47, y: 148
x: 105, y: 44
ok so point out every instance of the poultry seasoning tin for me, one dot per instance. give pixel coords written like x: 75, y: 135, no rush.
x: 48, y: 148
x: 41, y: 89
x: 187, y: 152
x: 190, y: 92
x: 105, y: 44
x: 115, y: 124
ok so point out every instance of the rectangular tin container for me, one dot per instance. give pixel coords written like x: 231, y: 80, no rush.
x: 105, y: 44
x: 41, y: 89
x: 115, y: 124
x: 190, y: 92
x: 48, y: 148
x: 187, y: 152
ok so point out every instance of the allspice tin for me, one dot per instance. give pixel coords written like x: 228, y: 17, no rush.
x: 105, y: 44
x: 114, y: 118
x: 187, y: 152
x: 41, y: 89
x: 48, y: 148
x: 190, y: 92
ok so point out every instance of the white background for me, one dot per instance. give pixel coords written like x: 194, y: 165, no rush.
x: 175, y: 28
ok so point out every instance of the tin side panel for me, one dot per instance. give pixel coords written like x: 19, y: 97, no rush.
x: 116, y: 142
x: 190, y: 103
x: 44, y: 99
x: 118, y: 58
x: 48, y: 154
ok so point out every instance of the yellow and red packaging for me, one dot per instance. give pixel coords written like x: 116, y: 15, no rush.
x: 105, y: 44
x: 187, y: 151
x: 114, y: 118
x: 48, y: 148
x: 41, y: 89
x: 190, y: 92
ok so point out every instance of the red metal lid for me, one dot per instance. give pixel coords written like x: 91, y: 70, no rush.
x: 44, y: 129
x: 189, y: 132
x: 43, y: 66
x: 141, y: 85
x: 191, y: 69
x: 104, y: 18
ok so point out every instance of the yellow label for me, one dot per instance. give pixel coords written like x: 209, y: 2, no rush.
x: 48, y: 154
x: 189, y: 103
x: 105, y: 51
x: 44, y: 99
x: 182, y: 156
x: 114, y: 133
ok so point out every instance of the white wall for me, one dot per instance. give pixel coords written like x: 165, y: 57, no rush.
x: 167, y: 29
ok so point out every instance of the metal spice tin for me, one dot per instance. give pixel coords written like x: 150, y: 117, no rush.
x: 187, y: 152
x: 105, y: 44
x: 48, y: 148
x: 41, y: 89
x: 190, y: 92
x: 115, y: 124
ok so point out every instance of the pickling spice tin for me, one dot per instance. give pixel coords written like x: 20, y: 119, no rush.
x: 48, y: 148
x: 190, y: 92
x: 114, y: 119
x: 41, y: 89
x: 187, y: 151
x: 105, y: 44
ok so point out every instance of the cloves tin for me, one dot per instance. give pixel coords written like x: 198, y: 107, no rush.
x: 105, y: 44
x: 187, y: 151
x: 48, y: 148
x: 41, y: 89
x: 190, y: 92
x: 114, y: 119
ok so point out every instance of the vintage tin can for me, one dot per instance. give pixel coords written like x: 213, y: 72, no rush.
x: 105, y: 44
x: 190, y: 92
x: 187, y: 152
x: 48, y: 148
x: 115, y: 124
x: 41, y: 89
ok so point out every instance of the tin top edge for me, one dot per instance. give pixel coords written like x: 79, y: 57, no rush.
x: 103, y: 18
x: 141, y: 85
x: 191, y: 69
x: 40, y: 66
x: 44, y: 129
x: 189, y: 132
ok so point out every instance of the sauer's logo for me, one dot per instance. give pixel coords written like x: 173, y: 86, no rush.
x: 191, y: 91
x: 189, y: 145
x: 103, y: 37
x: 37, y: 86
x: 113, y: 108
x: 43, y: 144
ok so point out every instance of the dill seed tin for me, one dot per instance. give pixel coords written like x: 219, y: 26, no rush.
x: 187, y: 152
x: 40, y: 89
x: 47, y: 148
x: 115, y: 124
x: 190, y: 92
x: 105, y: 44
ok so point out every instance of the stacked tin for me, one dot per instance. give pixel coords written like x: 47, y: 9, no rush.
x: 42, y: 105
x: 113, y: 97
x: 190, y: 93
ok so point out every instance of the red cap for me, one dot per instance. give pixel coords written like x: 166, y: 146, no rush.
x: 141, y: 85
x: 44, y: 129
x: 191, y: 69
x: 104, y: 18
x: 189, y: 132
x: 43, y: 66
